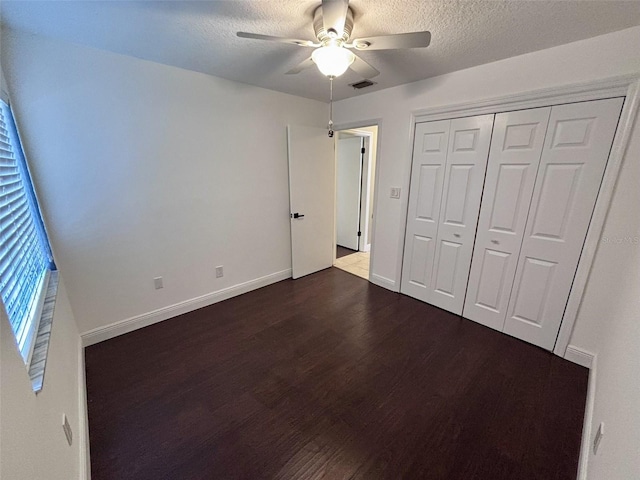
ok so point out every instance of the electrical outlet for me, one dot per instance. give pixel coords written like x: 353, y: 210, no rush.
x: 395, y: 192
x: 67, y: 429
x: 157, y: 282
x: 219, y: 271
x: 598, y: 438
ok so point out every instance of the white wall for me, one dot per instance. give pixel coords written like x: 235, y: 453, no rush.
x: 611, y: 307
x: 608, y: 322
x: 148, y: 170
x: 33, y: 445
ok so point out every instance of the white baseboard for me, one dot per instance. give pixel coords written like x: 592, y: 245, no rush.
x: 585, y: 448
x: 579, y: 356
x: 383, y: 282
x: 139, y: 321
x: 83, y: 418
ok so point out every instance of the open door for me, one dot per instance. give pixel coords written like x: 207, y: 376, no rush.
x: 311, y: 198
x: 348, y: 191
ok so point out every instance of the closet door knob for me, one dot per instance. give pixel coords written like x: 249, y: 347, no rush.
x: 457, y: 235
x: 495, y: 242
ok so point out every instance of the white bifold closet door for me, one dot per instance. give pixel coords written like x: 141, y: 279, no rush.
x: 574, y: 157
x: 516, y: 147
x: 449, y: 163
x: 427, y: 174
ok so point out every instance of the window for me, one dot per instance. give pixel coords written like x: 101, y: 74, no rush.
x: 25, y: 256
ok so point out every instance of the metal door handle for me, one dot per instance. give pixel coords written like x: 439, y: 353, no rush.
x: 296, y: 215
x: 496, y: 242
x: 457, y: 235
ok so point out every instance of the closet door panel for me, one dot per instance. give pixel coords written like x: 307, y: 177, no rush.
x: 427, y: 175
x: 516, y: 148
x: 447, y: 268
x: 574, y: 157
x: 421, y: 256
x: 469, y: 140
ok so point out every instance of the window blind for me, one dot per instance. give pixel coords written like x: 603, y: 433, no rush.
x: 25, y: 256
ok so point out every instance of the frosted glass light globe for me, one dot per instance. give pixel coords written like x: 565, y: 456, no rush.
x: 332, y: 60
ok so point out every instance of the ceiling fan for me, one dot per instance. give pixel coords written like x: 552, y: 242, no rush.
x: 333, y: 24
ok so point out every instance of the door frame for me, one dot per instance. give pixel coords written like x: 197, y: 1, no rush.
x: 366, y: 136
x: 354, y: 127
x: 627, y: 86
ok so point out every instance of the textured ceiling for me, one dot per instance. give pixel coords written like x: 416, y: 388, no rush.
x: 201, y: 36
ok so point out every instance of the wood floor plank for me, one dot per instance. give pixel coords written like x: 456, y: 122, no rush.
x: 330, y: 376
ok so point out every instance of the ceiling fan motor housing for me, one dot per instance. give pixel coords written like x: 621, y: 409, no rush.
x: 322, y: 35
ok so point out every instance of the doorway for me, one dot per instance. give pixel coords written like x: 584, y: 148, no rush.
x: 355, y: 180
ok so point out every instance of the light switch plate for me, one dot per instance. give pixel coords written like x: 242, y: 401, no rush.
x: 157, y: 283
x: 395, y: 192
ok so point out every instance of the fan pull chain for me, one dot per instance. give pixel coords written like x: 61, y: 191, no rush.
x: 330, y: 126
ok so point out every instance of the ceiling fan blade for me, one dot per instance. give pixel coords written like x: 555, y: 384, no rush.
x: 293, y: 41
x: 303, y: 65
x: 363, y: 69
x: 391, y: 42
x: 334, y: 14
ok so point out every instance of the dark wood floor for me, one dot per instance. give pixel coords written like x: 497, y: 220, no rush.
x: 330, y: 377
x: 343, y: 252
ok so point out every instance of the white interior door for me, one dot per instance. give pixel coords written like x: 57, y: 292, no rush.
x: 516, y: 147
x: 427, y: 174
x: 311, y: 197
x: 348, y: 183
x: 469, y: 140
x: 574, y: 157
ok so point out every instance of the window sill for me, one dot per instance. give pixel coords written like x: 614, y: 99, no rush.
x: 43, y: 335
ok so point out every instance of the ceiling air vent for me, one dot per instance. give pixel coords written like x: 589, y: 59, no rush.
x: 362, y: 84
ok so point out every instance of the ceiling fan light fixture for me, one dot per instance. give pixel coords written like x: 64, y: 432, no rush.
x: 332, y: 60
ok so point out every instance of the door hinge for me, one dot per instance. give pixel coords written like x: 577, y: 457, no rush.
x: 362, y: 150
x: 359, y: 234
